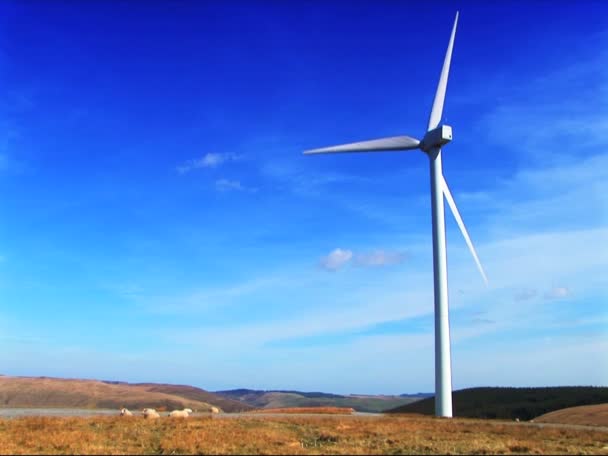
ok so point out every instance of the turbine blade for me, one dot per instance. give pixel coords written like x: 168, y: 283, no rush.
x: 374, y: 145
x: 463, y: 229
x: 437, y: 109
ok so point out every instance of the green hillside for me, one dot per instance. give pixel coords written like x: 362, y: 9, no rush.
x: 511, y: 403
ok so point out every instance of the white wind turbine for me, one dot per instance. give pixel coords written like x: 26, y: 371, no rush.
x: 435, y: 137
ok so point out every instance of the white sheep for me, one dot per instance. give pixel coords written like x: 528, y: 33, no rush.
x: 125, y: 412
x: 150, y: 413
x: 215, y: 410
x: 180, y: 413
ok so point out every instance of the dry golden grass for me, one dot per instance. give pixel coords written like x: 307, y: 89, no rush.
x: 590, y: 415
x: 291, y: 435
x: 312, y: 410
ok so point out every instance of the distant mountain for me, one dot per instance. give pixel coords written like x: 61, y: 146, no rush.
x: 511, y: 403
x: 197, y: 394
x: 288, y: 398
x: 418, y: 395
x: 243, y: 392
x: 76, y: 393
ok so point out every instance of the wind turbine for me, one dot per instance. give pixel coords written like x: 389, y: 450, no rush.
x: 436, y: 136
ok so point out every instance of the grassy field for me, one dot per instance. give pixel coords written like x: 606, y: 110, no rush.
x: 291, y: 435
x: 313, y: 410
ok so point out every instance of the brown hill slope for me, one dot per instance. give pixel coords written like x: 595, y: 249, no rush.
x: 76, y: 393
x: 590, y: 415
x: 197, y: 394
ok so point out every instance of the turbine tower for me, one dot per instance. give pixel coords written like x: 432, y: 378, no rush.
x: 436, y: 136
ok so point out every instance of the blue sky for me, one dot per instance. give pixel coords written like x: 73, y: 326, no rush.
x: 158, y: 221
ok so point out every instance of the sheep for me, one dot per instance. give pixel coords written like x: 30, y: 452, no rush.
x: 215, y: 410
x: 125, y: 412
x: 150, y: 413
x: 180, y: 413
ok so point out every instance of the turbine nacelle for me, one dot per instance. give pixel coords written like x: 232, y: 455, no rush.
x: 436, y: 138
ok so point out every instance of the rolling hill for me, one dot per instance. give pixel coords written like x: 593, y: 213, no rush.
x: 588, y: 415
x: 511, y: 403
x: 276, y: 399
x: 76, y: 393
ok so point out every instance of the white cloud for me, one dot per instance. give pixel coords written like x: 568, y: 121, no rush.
x: 379, y: 258
x: 376, y: 258
x: 209, y: 160
x: 558, y: 293
x: 336, y: 259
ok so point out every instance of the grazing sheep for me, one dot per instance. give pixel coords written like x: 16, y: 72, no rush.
x: 517, y: 420
x: 180, y: 413
x: 125, y: 412
x: 215, y: 410
x: 150, y: 413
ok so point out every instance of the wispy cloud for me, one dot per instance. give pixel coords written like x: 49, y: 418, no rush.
x: 209, y: 160
x: 527, y: 242
x: 227, y: 185
x: 525, y: 294
x: 558, y: 293
x: 482, y: 321
x: 520, y: 359
x: 13, y: 106
x: 339, y: 258
x: 548, y: 116
x: 336, y: 259
x: 379, y: 258
x: 362, y: 312
x: 304, y: 180
x: 210, y: 297
x: 543, y: 197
